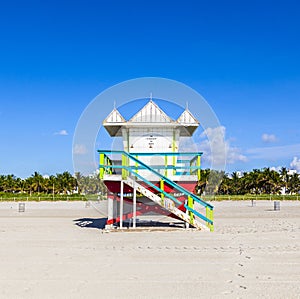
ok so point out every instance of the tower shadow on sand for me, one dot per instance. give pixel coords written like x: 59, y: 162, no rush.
x: 100, y: 223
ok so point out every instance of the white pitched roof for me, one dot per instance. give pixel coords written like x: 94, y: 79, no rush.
x: 113, y: 123
x: 187, y: 118
x: 151, y: 113
x: 188, y: 123
x: 114, y: 117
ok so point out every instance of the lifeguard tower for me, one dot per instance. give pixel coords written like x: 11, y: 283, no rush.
x: 150, y: 174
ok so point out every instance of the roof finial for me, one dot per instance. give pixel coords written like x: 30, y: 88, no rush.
x: 114, y: 105
x: 151, y: 96
x: 186, y: 105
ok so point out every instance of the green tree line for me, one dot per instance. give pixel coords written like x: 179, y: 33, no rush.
x: 257, y: 181
x: 61, y: 183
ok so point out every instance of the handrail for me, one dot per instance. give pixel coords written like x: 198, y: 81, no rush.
x: 188, y: 166
x: 170, y: 182
x: 153, y: 186
x: 169, y: 195
x: 198, y: 214
x: 183, y: 190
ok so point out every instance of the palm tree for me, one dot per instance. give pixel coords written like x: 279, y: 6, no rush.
x: 51, y: 185
x: 36, y: 182
x: 79, y: 177
x: 253, y: 181
x: 225, y: 186
x: 294, y: 184
x: 235, y: 183
x: 201, y: 184
x: 266, y: 181
x: 8, y: 183
x: 2, y: 178
x: 285, y: 178
x: 19, y: 185
x: 276, y: 182
x: 66, y: 182
x: 246, y: 183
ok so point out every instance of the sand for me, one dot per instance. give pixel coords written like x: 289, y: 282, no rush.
x: 56, y: 250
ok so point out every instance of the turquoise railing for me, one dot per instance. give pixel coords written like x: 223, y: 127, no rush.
x: 191, y: 166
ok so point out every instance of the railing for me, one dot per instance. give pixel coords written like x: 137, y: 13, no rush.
x: 179, y: 167
x: 127, y: 169
x: 105, y: 160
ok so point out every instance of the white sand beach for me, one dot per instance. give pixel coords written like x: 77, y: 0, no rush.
x: 57, y: 250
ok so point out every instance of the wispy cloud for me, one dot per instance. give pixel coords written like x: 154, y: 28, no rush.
x: 268, y: 138
x: 295, y: 164
x: 218, y: 149
x: 79, y: 149
x: 61, y: 133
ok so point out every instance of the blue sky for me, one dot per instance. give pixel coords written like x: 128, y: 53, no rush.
x: 56, y: 56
